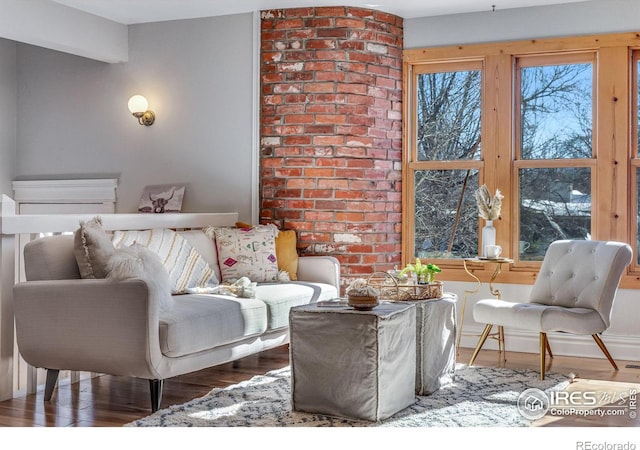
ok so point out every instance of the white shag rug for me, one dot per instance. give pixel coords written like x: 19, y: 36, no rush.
x: 478, y: 397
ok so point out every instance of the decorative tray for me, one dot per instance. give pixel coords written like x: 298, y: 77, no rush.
x: 392, y: 289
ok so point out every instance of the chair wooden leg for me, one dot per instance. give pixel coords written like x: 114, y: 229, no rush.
x: 483, y: 338
x: 548, y: 347
x: 543, y: 353
x: 502, y: 347
x: 604, y: 350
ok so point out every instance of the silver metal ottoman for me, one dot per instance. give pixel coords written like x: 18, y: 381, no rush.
x: 356, y: 364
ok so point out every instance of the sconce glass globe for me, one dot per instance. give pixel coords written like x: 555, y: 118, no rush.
x: 138, y: 104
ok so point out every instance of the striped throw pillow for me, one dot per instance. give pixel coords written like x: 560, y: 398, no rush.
x: 188, y: 270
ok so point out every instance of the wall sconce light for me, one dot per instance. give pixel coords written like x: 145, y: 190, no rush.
x: 138, y: 106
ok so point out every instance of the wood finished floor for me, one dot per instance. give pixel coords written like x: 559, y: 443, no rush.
x: 109, y: 401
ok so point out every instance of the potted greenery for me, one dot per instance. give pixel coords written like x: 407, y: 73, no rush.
x: 424, y: 273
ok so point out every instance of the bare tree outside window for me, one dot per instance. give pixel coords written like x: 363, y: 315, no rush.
x: 638, y: 108
x: 638, y: 215
x: 449, y: 116
x: 556, y: 124
x: 637, y: 220
x: 554, y: 204
x: 446, y: 217
x: 448, y: 129
x: 556, y: 111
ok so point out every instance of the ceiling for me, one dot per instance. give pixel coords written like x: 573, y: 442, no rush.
x: 140, y: 11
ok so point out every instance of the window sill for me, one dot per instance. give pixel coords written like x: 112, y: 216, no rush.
x: 514, y: 275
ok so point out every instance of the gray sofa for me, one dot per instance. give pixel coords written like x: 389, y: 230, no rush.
x: 64, y: 322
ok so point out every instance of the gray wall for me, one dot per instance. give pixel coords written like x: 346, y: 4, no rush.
x: 198, y: 78
x: 8, y: 110
x: 572, y: 19
x: 50, y: 24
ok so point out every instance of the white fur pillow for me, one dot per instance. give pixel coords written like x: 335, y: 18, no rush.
x: 137, y: 261
x: 92, y: 247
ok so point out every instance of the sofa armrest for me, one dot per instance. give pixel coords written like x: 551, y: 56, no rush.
x: 88, y: 325
x: 321, y: 269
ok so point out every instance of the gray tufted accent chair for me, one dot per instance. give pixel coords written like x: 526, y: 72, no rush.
x: 573, y: 293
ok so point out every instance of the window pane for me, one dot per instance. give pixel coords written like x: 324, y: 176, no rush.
x: 638, y: 107
x: 437, y: 231
x: 556, y: 111
x: 554, y: 204
x: 448, y: 116
x: 638, y: 215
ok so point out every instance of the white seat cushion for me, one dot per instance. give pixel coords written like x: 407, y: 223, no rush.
x: 537, y: 317
x: 202, y: 321
x: 280, y: 297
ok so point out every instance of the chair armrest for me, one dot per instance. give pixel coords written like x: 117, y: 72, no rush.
x: 321, y: 269
x: 88, y: 325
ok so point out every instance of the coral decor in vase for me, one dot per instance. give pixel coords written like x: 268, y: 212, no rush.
x: 488, y: 209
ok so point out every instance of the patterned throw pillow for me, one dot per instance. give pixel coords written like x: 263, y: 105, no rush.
x: 286, y: 250
x: 246, y: 252
x: 188, y: 270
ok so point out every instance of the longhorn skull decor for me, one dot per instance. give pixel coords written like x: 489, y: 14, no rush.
x: 162, y: 199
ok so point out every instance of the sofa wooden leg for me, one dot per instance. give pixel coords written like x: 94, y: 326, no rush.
x: 155, y: 387
x: 50, y: 383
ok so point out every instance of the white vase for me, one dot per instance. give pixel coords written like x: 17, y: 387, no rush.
x: 488, y: 237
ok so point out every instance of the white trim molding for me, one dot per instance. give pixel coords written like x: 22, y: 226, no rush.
x: 621, y: 347
x: 65, y: 191
x: 255, y: 122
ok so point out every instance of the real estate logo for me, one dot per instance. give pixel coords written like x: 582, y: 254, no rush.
x: 533, y: 403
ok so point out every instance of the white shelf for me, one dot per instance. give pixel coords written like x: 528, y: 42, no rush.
x: 65, y: 191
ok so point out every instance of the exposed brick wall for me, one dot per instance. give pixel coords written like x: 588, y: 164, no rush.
x: 331, y: 128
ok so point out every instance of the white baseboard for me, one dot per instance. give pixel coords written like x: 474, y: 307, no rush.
x: 620, y: 347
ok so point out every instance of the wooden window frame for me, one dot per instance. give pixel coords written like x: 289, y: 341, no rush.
x: 634, y: 158
x: 615, y: 155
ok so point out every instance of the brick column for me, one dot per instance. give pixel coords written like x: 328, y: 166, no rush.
x: 331, y: 128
